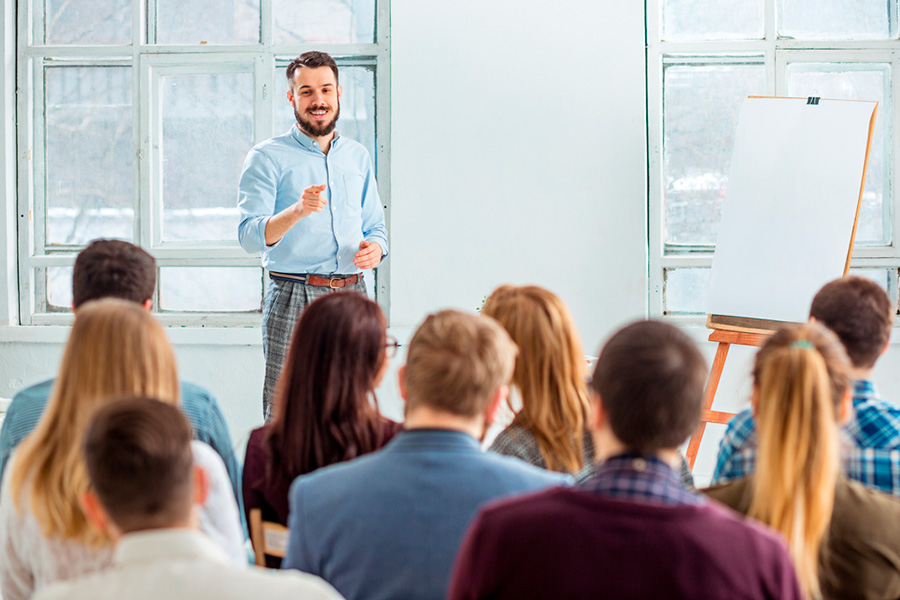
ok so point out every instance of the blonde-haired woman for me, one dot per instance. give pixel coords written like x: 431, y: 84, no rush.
x: 550, y: 429
x: 115, y: 349
x: 844, y: 539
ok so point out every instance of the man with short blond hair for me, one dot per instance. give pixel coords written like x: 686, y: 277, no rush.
x: 388, y: 524
x: 457, y: 363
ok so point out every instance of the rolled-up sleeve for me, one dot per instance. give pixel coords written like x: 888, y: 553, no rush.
x: 256, y: 200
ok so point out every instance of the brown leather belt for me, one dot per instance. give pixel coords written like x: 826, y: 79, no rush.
x: 318, y: 280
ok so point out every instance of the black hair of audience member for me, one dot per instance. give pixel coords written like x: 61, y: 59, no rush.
x: 113, y: 268
x: 860, y: 313
x: 140, y: 463
x: 650, y: 378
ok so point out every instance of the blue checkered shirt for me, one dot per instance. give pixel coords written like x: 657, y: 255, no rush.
x: 637, y: 478
x: 871, y: 452
x: 197, y: 404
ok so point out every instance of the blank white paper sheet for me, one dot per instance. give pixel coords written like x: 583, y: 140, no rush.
x: 788, y: 215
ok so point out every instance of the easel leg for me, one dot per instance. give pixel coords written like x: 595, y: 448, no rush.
x: 711, y: 385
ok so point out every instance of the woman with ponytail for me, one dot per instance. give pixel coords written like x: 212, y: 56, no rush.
x: 844, y: 539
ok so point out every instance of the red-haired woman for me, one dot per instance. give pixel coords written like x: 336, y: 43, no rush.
x: 324, y: 406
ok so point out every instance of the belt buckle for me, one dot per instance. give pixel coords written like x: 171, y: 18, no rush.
x: 331, y: 283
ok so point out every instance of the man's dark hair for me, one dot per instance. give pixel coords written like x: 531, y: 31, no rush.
x: 113, y: 269
x: 140, y: 463
x: 312, y: 60
x: 650, y: 378
x: 860, y: 313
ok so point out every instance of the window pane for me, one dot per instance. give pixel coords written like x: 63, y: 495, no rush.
x: 87, y: 21
x: 856, y: 82
x: 324, y: 21
x: 701, y: 105
x: 357, y: 120
x: 837, y: 19
x: 886, y: 278
x: 213, y: 21
x: 210, y: 289
x: 59, y: 289
x: 89, y: 153
x: 207, y: 132
x: 712, y: 19
x: 685, y: 291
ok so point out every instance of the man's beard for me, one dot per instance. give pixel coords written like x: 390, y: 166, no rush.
x: 313, y: 130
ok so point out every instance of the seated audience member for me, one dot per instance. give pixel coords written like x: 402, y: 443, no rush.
x: 800, y: 392
x: 324, y: 403
x: 550, y: 430
x: 860, y: 313
x: 115, y: 348
x: 145, y: 490
x: 388, y: 524
x: 633, y: 530
x: 117, y: 269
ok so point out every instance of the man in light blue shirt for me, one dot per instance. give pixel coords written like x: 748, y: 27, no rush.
x: 309, y: 204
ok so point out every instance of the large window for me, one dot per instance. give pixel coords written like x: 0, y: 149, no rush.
x: 703, y: 58
x: 134, y: 118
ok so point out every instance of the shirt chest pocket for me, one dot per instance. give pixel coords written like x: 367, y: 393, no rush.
x: 353, y: 193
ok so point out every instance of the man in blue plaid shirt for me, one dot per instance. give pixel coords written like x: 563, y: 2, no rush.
x: 862, y: 315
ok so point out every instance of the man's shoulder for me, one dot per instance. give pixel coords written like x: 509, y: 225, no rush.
x: 196, y: 395
x: 741, y: 425
x: 278, y: 141
x: 28, y: 403
x: 344, y: 475
x: 274, y: 148
x: 40, y: 391
x: 487, y: 469
x: 542, y: 504
x: 517, y: 470
x: 199, y: 578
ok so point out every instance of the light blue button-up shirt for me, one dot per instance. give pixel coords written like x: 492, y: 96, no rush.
x: 275, y: 174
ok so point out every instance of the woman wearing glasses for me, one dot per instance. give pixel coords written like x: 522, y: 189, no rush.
x: 325, y: 410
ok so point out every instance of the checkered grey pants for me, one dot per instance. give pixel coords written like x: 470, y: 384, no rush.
x: 284, y: 302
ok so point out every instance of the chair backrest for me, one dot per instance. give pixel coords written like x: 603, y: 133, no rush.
x: 268, y: 539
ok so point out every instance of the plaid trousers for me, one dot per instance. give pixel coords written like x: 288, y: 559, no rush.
x: 284, y: 302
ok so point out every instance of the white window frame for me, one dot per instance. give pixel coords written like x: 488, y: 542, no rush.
x: 775, y: 54
x: 148, y: 63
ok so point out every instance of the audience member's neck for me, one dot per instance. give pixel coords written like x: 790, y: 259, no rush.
x: 608, y: 446
x: 425, y: 417
x: 191, y: 523
x: 861, y: 372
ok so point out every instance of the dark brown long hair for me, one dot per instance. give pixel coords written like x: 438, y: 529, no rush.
x: 323, y: 412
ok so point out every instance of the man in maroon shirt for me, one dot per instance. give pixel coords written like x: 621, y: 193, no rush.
x: 633, y: 530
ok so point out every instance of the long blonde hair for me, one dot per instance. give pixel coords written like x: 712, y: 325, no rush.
x: 550, y: 373
x: 116, y: 348
x: 800, y: 376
